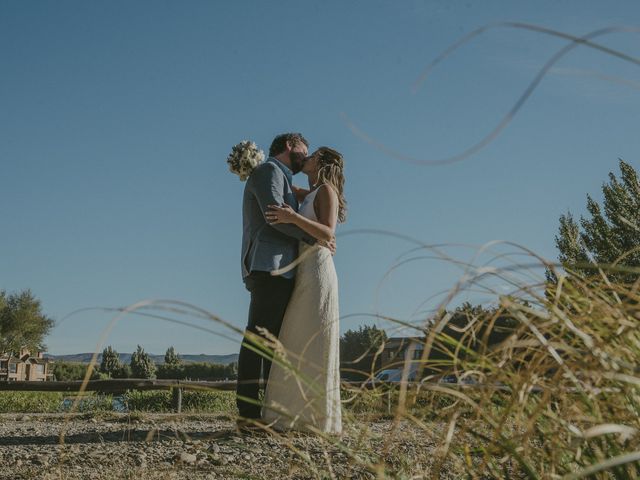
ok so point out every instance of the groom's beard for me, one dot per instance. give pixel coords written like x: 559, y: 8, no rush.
x: 297, y: 161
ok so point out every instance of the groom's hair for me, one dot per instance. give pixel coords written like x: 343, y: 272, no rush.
x: 279, y: 143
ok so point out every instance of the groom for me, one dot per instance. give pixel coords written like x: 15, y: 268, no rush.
x: 267, y: 247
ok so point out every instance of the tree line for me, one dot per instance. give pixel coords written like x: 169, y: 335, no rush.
x: 142, y: 365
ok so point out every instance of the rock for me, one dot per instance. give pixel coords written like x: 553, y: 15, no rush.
x: 36, y: 460
x: 185, y: 457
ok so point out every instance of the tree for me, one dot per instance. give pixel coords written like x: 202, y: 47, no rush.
x: 142, y: 366
x: 610, y: 236
x: 197, y: 371
x: 110, y: 363
x: 358, y: 351
x: 171, y: 357
x: 364, y: 341
x: 22, y: 323
x: 123, y: 372
x: 475, y: 327
x: 69, y: 371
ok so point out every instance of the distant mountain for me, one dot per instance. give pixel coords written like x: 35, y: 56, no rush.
x: 126, y: 358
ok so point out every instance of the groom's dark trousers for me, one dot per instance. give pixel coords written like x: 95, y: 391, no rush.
x: 269, y: 298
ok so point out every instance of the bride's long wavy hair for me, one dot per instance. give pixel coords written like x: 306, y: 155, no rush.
x: 331, y: 171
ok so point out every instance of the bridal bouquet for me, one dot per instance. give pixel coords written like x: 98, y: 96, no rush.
x: 244, y: 157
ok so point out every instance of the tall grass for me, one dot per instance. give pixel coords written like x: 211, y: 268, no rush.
x: 560, y: 396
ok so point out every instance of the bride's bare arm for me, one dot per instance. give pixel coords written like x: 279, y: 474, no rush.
x: 326, y: 208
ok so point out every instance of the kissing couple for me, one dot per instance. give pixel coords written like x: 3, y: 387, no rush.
x: 292, y: 337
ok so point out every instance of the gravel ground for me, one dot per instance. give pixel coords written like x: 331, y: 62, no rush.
x: 166, y: 446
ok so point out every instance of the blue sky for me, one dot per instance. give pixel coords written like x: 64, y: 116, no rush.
x: 116, y: 119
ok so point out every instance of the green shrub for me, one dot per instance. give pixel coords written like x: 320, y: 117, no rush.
x: 209, y: 401
x: 51, y: 402
x: 192, y: 401
x: 91, y: 402
x: 71, y: 371
x: 31, y: 402
x: 148, y: 401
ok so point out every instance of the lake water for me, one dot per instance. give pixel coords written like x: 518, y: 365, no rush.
x: 90, y: 403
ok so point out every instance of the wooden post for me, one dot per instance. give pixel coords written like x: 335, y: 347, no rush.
x: 177, y: 399
x: 389, y: 401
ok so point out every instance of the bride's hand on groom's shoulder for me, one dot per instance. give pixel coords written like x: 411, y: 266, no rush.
x: 280, y: 214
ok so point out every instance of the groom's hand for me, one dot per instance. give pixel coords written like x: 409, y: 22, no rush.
x: 331, y: 245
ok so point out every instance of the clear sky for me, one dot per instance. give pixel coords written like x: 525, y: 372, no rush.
x: 116, y: 119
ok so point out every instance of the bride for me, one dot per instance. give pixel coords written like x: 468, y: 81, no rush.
x: 303, y: 390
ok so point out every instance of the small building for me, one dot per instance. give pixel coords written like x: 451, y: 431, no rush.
x: 393, y: 355
x: 399, y: 349
x: 25, y: 367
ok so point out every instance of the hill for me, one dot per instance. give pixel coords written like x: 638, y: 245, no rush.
x: 126, y: 358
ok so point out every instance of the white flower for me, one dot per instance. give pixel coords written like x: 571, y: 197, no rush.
x: 244, y: 157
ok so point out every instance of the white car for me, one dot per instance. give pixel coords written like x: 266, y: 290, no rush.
x: 451, y: 378
x: 392, y: 376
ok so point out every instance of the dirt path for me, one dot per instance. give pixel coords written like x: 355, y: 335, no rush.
x: 192, y: 447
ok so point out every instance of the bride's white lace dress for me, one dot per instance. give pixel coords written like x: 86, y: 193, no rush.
x: 305, y: 392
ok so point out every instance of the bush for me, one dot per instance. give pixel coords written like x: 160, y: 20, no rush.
x: 31, y: 402
x: 51, y: 402
x: 90, y: 402
x: 192, y: 401
x: 209, y: 401
x: 148, y: 401
x: 71, y: 371
x: 123, y: 372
